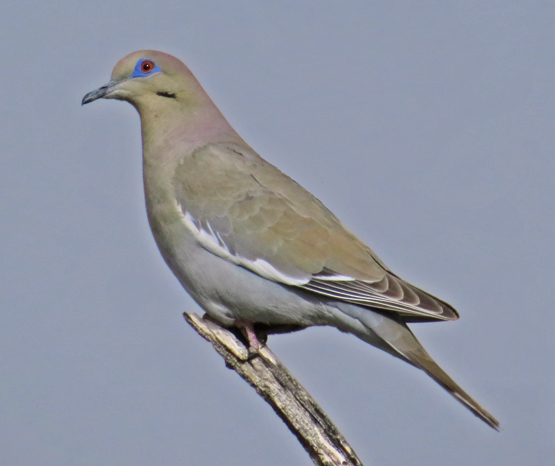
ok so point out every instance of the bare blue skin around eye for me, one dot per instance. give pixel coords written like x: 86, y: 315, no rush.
x: 138, y: 73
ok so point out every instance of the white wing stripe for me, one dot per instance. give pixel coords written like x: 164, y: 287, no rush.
x: 336, y: 278
x: 214, y: 243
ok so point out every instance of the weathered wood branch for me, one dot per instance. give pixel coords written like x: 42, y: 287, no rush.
x: 289, y: 399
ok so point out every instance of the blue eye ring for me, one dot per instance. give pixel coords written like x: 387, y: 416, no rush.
x: 145, y: 67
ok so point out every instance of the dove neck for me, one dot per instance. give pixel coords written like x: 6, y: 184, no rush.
x: 169, y: 133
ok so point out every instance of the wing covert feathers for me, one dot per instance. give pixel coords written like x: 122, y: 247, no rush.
x: 247, y: 211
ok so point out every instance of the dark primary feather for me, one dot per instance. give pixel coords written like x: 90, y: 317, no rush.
x: 389, y: 294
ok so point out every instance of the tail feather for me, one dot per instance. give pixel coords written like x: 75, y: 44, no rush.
x: 394, y: 336
x: 431, y: 368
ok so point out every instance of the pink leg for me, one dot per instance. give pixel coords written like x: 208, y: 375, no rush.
x: 248, y: 330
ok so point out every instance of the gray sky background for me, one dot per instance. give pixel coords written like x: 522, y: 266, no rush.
x: 427, y: 127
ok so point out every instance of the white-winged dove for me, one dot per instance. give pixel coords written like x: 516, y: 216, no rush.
x: 248, y: 243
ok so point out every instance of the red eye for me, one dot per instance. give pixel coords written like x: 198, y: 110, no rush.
x: 147, y: 66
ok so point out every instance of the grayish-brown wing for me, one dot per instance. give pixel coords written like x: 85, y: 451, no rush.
x: 245, y: 210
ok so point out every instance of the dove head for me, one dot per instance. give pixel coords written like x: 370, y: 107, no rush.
x: 151, y: 79
x: 168, y: 97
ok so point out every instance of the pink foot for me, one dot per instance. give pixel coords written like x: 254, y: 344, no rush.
x: 247, y: 329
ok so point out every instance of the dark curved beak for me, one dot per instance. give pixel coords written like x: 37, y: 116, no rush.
x: 99, y: 93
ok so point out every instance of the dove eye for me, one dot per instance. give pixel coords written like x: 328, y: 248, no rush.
x: 145, y: 67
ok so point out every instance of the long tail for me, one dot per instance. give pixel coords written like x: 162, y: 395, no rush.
x: 428, y: 365
x: 394, y: 337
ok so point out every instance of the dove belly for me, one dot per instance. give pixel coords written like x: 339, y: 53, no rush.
x: 229, y: 292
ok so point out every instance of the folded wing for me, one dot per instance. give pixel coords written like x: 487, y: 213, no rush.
x: 246, y: 211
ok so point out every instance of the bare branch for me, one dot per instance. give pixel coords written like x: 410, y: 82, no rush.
x: 289, y: 399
